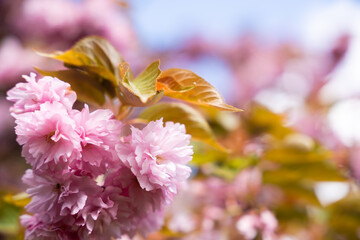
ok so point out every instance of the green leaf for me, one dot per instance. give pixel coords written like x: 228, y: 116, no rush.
x: 311, y: 171
x: 170, y: 85
x: 19, y: 200
x: 344, y: 217
x: 299, y: 192
x: 186, y: 85
x: 9, y: 218
x: 222, y: 172
x: 292, y: 155
x: 195, y: 123
x: 259, y: 120
x: 144, y: 85
x: 212, y: 156
x: 239, y: 163
x: 87, y: 88
x: 288, y: 214
x: 140, y: 91
x: 92, y: 54
x: 230, y: 168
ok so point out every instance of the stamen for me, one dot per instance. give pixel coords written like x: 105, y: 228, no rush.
x: 48, y: 137
x: 159, y: 160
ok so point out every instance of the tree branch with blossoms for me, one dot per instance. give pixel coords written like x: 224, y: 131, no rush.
x: 89, y: 178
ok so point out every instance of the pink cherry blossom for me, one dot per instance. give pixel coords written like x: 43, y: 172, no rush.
x: 58, y: 196
x: 40, y: 229
x: 252, y: 224
x: 269, y: 225
x: 44, y: 191
x: 122, y: 207
x: 141, y: 200
x: 78, y: 205
x: 151, y: 222
x: 87, y: 182
x: 15, y: 60
x: 157, y: 156
x: 99, y: 132
x: 112, y: 18
x: 247, y: 183
x: 99, y: 216
x: 247, y: 225
x: 48, y: 136
x: 29, y: 96
x: 62, y: 22
x: 56, y: 18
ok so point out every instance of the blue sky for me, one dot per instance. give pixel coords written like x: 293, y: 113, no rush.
x: 165, y: 23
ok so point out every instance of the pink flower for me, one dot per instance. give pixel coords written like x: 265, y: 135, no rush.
x: 15, y: 60
x: 99, y: 132
x: 269, y: 225
x: 247, y: 183
x: 79, y: 206
x: 100, y: 213
x: 48, y: 136
x: 28, y: 97
x: 252, y: 224
x: 121, y: 207
x: 75, y: 207
x: 110, y: 215
x: 56, y: 18
x: 151, y: 222
x: 59, y: 196
x: 157, y: 156
x: 247, y: 226
x: 40, y: 229
x: 62, y: 22
x: 141, y: 200
x: 71, y: 150
x: 124, y: 38
x: 44, y: 191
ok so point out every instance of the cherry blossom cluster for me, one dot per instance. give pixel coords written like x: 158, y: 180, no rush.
x: 87, y: 180
x: 252, y: 224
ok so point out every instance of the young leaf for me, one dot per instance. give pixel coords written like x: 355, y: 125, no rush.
x: 92, y: 54
x: 186, y: 85
x: 19, y: 200
x: 298, y: 192
x: 344, y: 217
x: 195, y: 123
x: 168, y: 84
x: 129, y: 98
x: 288, y: 214
x: 287, y: 155
x: 9, y: 218
x: 140, y: 91
x: 87, y: 88
x: 259, y: 120
x: 307, y: 171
